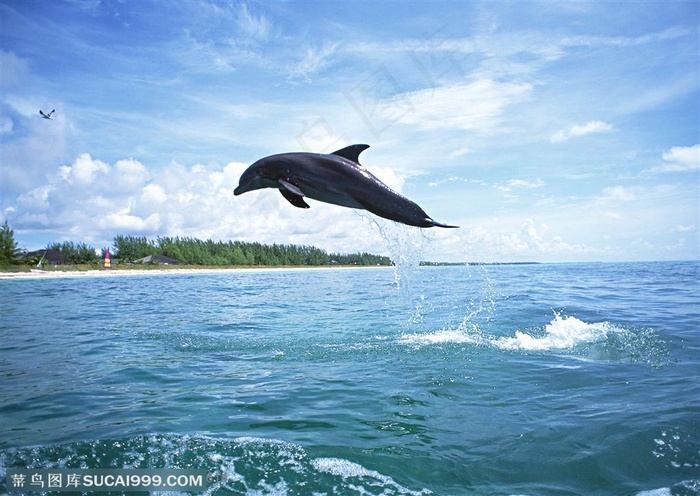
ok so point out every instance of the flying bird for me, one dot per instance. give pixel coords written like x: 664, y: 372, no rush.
x: 336, y: 178
x: 47, y: 116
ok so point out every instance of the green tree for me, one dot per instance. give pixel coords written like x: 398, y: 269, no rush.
x: 84, y: 253
x: 77, y: 253
x: 9, y: 251
x: 130, y: 248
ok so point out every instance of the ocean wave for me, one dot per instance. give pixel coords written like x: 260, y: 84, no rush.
x: 684, y: 488
x: 243, y: 465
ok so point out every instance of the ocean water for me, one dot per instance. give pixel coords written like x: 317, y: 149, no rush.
x: 551, y: 379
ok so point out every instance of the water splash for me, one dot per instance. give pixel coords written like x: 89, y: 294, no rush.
x: 407, y: 247
x: 563, y: 335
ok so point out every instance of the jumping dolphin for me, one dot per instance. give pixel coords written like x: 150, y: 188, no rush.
x: 336, y: 178
x: 47, y: 116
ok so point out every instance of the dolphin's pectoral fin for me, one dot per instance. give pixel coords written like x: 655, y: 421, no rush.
x: 291, y: 187
x: 295, y: 200
x: 351, y: 152
x: 293, y: 194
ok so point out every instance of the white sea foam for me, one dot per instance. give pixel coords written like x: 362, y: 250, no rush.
x: 351, y: 470
x: 664, y: 491
x: 440, y: 337
x: 344, y: 468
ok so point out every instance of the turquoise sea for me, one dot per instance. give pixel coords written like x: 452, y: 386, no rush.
x: 550, y: 379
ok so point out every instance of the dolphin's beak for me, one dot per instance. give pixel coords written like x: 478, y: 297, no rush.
x: 245, y: 185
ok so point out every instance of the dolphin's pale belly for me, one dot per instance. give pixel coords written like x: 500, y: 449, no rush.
x: 330, y: 196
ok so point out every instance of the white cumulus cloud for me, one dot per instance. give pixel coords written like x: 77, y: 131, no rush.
x: 579, y: 130
x: 680, y: 159
x: 530, y: 240
x: 83, y: 171
x: 519, y: 183
x: 93, y: 201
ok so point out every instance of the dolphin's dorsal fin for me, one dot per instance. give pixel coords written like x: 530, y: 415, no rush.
x: 351, y: 152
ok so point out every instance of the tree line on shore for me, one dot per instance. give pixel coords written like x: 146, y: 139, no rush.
x: 198, y: 252
x: 185, y: 250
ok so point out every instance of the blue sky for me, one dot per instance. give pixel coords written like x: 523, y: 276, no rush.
x: 548, y: 131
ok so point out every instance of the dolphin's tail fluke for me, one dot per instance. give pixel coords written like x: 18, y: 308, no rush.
x: 431, y: 223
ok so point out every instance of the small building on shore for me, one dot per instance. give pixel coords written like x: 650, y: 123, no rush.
x: 157, y: 259
x: 48, y: 257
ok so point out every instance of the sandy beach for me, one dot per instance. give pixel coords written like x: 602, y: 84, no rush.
x: 55, y: 274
